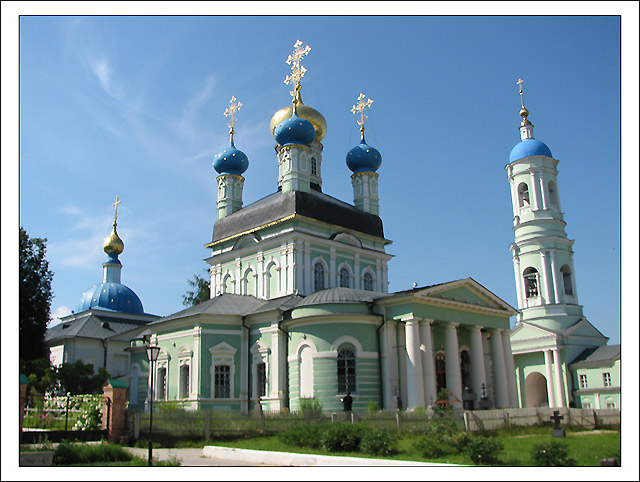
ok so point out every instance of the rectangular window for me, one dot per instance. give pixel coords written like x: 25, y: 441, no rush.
x: 611, y: 405
x: 606, y: 377
x: 262, y: 379
x: 586, y: 405
x: 222, y: 382
x: 184, y: 381
x: 583, y: 381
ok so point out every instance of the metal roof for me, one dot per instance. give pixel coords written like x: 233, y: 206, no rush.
x: 92, y: 325
x: 608, y: 353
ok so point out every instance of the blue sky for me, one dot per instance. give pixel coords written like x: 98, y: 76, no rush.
x: 133, y: 106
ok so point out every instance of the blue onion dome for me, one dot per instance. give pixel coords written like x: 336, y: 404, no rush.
x: 112, y: 297
x: 304, y: 111
x: 363, y: 158
x: 294, y: 130
x: 529, y: 147
x: 231, y: 161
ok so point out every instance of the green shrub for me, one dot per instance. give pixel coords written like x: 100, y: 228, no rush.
x: 379, y: 441
x: 310, y: 405
x: 462, y: 440
x: 372, y: 406
x: 304, y: 435
x: 69, y: 454
x: 484, y: 450
x: 431, y: 447
x: 552, y: 454
x: 342, y: 437
x: 442, y: 425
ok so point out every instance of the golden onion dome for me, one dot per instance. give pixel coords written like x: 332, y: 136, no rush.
x: 304, y: 111
x: 113, y: 244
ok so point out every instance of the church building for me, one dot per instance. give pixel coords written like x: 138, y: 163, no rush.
x: 299, y: 303
x: 108, y: 316
x: 551, y: 331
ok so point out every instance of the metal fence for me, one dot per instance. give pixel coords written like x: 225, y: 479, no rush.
x: 74, y: 417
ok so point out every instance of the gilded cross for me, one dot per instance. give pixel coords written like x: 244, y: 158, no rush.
x: 359, y: 108
x: 234, y: 106
x: 520, y: 82
x: 115, y: 217
x: 297, y: 70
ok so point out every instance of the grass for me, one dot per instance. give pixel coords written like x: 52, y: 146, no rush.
x: 587, y: 448
x: 104, y: 454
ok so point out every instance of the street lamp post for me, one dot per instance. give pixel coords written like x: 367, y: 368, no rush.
x: 152, y: 355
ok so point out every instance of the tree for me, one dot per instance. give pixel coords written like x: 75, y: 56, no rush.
x: 35, y: 297
x: 200, y: 293
x: 77, y: 378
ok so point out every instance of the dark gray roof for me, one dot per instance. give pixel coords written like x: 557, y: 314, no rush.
x: 92, y: 325
x: 315, y: 205
x: 600, y: 354
x: 339, y: 295
x: 239, y: 305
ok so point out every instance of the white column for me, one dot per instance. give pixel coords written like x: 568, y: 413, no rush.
x: 510, y: 369
x: 308, y: 270
x: 543, y: 193
x: 428, y: 363
x: 534, y: 190
x: 402, y: 360
x: 478, y: 376
x: 559, y: 381
x: 558, y: 287
x: 284, y: 268
x: 488, y: 372
x: 389, y: 363
x: 549, y: 373
x: 244, y: 378
x: 194, y: 386
x: 237, y: 286
x: 291, y: 266
x: 547, y: 278
x: 574, y: 286
x: 385, y: 277
x: 499, y: 370
x: 514, y: 198
x: 415, y: 386
x: 260, y: 279
x: 516, y: 269
x: 298, y: 284
x: 332, y: 268
x: 357, y: 275
x: 452, y: 360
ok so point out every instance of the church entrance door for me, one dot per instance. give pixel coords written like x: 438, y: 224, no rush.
x: 535, y: 389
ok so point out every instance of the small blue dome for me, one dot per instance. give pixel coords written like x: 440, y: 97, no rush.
x: 363, y: 157
x: 294, y: 130
x: 112, y: 297
x: 529, y: 147
x: 231, y: 161
x: 113, y: 259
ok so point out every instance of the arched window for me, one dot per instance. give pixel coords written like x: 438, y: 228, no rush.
x: 273, y: 281
x: 261, y: 372
x: 250, y: 283
x: 345, y: 278
x: 566, y: 280
x: 441, y: 372
x: 184, y: 380
x: 553, y: 194
x: 368, y: 281
x: 314, y: 166
x: 531, y: 282
x: 318, y: 277
x: 523, y: 194
x: 227, y: 284
x: 346, y: 370
x: 161, y: 383
x: 465, y: 368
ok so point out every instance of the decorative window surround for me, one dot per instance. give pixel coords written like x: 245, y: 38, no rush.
x: 223, y: 354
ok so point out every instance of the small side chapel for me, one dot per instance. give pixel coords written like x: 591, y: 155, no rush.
x: 299, y: 303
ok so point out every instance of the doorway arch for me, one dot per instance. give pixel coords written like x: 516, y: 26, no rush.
x: 535, y: 389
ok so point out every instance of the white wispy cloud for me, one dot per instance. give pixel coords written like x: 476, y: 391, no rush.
x: 188, y: 124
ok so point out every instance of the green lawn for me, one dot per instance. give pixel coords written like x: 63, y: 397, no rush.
x: 587, y: 448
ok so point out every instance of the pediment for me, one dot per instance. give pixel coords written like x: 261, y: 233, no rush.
x: 223, y: 349
x: 526, y: 331
x: 583, y: 328
x: 466, y: 291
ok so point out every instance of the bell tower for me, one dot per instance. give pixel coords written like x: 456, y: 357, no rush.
x: 542, y: 253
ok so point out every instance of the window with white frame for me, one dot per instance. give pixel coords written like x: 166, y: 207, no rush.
x: 184, y: 372
x: 318, y: 277
x: 566, y: 280
x: 345, y: 278
x: 184, y: 380
x: 611, y: 405
x: 222, y: 381
x: 523, y: 194
x: 346, y: 370
x: 606, y: 378
x: 161, y: 382
x: 261, y: 374
x: 368, y: 281
x: 586, y: 404
x: 583, y: 381
x: 465, y: 368
x: 222, y: 370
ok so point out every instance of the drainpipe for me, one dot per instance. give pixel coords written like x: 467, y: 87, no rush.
x: 286, y: 315
x: 371, y: 305
x: 244, y: 318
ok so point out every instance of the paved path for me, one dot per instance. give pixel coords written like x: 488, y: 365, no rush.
x: 190, y: 457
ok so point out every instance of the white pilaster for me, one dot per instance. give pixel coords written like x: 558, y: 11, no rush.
x: 547, y: 279
x: 428, y: 363
x: 260, y: 273
x: 478, y: 376
x: 194, y: 387
x: 516, y: 270
x: 357, y: 275
x: 332, y: 268
x: 499, y: 370
x: 549, y: 374
x: 543, y: 193
x: 452, y: 360
x: 534, y: 190
x: 557, y: 364
x: 244, y: 367
x: 415, y: 386
x: 488, y: 371
x: 389, y: 363
x: 510, y: 369
x: 558, y: 288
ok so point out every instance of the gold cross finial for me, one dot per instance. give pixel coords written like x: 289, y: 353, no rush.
x: 297, y: 70
x: 234, y: 106
x: 359, y: 108
x: 115, y: 217
x: 520, y: 82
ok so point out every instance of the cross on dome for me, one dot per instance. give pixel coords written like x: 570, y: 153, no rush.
x: 115, y: 217
x: 359, y: 108
x: 297, y: 70
x: 234, y: 106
